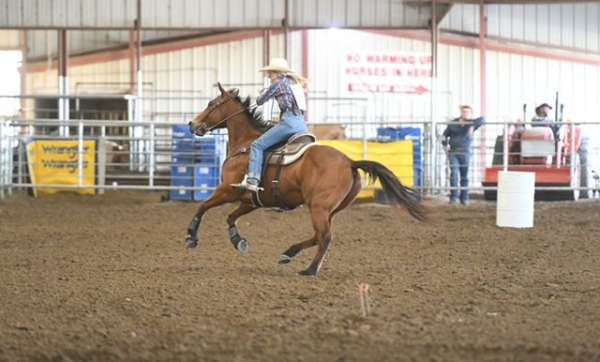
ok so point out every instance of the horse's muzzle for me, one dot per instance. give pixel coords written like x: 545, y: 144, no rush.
x: 198, y: 131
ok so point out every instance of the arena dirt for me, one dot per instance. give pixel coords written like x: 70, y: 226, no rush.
x: 108, y: 278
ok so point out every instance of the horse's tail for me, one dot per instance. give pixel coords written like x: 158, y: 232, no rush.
x: 394, y: 190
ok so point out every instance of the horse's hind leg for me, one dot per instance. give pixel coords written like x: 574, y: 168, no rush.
x: 293, y: 250
x: 320, y: 219
x: 236, y: 239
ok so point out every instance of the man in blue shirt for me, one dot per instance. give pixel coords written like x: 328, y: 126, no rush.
x: 457, y: 137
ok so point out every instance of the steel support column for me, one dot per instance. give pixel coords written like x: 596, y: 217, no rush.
x: 266, y: 44
x: 23, y: 73
x: 482, y: 82
x: 433, y: 159
x: 63, y: 81
x: 139, y: 131
x: 286, y: 30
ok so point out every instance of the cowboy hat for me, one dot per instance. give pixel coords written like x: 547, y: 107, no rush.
x: 277, y: 65
x: 543, y: 105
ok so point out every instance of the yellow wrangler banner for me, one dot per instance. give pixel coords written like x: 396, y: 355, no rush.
x: 56, y: 163
x: 397, y: 156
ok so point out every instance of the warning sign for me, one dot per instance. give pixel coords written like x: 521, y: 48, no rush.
x: 392, y: 73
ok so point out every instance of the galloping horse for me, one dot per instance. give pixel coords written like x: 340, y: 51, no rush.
x: 323, y: 179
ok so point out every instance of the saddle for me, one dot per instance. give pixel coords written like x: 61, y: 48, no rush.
x: 290, y: 151
x: 283, y: 155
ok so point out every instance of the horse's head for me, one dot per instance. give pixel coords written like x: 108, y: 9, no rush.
x: 216, y: 114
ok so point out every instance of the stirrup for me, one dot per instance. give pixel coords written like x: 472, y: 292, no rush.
x: 247, y: 186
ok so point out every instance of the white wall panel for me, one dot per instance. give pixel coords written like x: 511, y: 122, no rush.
x: 10, y: 39
x: 516, y: 79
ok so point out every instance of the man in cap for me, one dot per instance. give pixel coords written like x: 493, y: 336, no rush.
x: 458, y: 136
x: 542, y: 118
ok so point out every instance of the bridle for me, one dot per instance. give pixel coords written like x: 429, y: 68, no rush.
x: 205, y: 128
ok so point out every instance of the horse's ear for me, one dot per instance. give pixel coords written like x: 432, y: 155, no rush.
x: 235, y: 92
x: 221, y: 88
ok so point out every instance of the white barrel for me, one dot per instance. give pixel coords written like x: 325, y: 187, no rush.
x: 516, y: 192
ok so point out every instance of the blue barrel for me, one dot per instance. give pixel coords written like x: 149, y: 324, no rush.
x: 205, y: 177
x: 182, y: 145
x: 408, y: 133
x: 182, y: 176
x: 414, y: 134
x: 206, y: 151
x: 387, y: 134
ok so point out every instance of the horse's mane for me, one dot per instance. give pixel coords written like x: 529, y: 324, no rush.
x: 256, y: 117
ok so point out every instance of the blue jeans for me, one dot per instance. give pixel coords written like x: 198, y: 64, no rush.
x: 459, y: 166
x: 289, y: 125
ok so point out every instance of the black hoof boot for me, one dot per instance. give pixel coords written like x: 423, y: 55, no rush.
x: 239, y: 243
x: 191, y: 243
x: 285, y: 259
x: 242, y: 246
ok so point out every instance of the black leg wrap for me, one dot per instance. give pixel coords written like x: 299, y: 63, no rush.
x: 239, y: 243
x: 191, y: 240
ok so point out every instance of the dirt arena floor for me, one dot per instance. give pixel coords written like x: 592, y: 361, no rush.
x: 108, y: 278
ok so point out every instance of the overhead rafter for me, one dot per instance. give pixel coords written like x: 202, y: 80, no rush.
x: 496, y: 2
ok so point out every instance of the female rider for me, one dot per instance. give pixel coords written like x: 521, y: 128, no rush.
x: 287, y: 89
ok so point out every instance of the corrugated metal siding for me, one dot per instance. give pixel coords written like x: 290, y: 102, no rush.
x: 512, y: 79
x: 517, y: 79
x: 184, y: 73
x: 41, y: 43
x: 10, y: 39
x: 67, y: 13
x: 462, y: 18
x: 210, y: 13
x: 89, y: 78
x: 358, y: 13
x: 194, y: 71
x: 573, y: 25
x: 570, y: 25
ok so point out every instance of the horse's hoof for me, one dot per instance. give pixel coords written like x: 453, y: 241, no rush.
x: 284, y: 259
x: 191, y: 243
x: 308, y: 272
x: 243, y: 246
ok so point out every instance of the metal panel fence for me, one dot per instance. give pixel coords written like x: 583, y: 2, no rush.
x: 6, y: 158
x: 144, y: 152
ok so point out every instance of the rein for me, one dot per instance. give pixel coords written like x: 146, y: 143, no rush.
x: 207, y: 129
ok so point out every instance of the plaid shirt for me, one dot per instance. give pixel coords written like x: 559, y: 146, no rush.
x: 283, y: 95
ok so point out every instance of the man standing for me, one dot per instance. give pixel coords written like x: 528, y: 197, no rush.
x: 457, y: 137
x: 542, y: 119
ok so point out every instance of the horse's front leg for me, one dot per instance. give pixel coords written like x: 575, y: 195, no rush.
x: 239, y: 243
x: 222, y: 195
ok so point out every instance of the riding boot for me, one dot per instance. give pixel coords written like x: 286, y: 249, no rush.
x: 249, y: 183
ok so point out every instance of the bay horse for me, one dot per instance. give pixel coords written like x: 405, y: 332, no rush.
x: 323, y: 179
